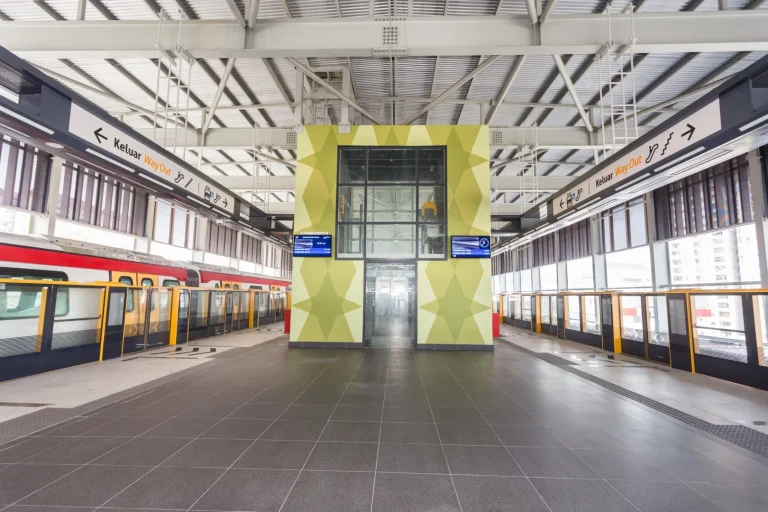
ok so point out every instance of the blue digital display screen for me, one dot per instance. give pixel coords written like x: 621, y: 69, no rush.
x: 470, y: 247
x: 307, y: 246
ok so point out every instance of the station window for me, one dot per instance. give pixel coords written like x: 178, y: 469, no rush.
x: 391, y: 203
x: 18, y: 301
x: 24, y: 173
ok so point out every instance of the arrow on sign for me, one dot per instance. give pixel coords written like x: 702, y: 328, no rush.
x: 689, y: 131
x: 561, y: 203
x: 225, y: 203
x: 99, y: 136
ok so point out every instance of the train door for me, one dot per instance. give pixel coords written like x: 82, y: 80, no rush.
x: 182, y: 325
x: 606, y: 318
x: 561, y: 316
x: 150, y: 310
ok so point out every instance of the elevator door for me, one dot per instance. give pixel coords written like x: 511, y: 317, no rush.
x: 390, y: 305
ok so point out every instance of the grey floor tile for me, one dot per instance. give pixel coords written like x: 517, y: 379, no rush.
x: 357, y: 413
x: 175, y: 488
x: 571, y: 495
x: 22, y: 449
x: 365, y: 388
x: 414, y: 493
x: 258, y: 411
x: 551, y: 462
x: 149, y: 451
x: 209, y: 409
x: 293, y: 430
x: 509, y: 417
x: 248, y: 490
x: 409, y: 433
x: 343, y: 457
x: 89, y: 486
x: 311, y: 398
x: 362, y: 400
x: 625, y: 465
x: 162, y: 409
x: 307, y: 412
x: 450, y: 400
x: 22, y: 479
x: 78, y: 427
x: 238, y: 428
x: 539, y: 437
x: 735, y: 499
x: 458, y: 416
x: 706, y: 471
x: 128, y: 426
x: 411, y: 458
x: 78, y: 450
x: 330, y: 491
x: 467, y: 434
x: 181, y: 427
x: 275, y: 397
x: 406, y: 400
x: 43, y: 508
x: 276, y: 455
x: 209, y: 453
x: 408, y: 414
x: 352, y: 431
x: 481, y: 460
x: 665, y: 497
x: 497, y: 494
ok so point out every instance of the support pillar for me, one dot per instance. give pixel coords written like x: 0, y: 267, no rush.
x: 758, y: 200
x: 650, y: 230
x: 599, y: 267
x: 298, y: 108
x: 54, y: 181
x: 149, y: 229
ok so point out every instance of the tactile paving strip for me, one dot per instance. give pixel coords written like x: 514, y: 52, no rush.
x: 740, y: 435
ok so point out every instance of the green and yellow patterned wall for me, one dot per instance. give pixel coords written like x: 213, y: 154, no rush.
x: 453, y: 296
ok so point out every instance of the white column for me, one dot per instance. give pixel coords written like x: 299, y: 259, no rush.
x: 54, y: 182
x: 758, y: 200
x: 346, y: 88
x: 650, y: 230
x: 81, y: 6
x: 149, y: 221
x: 600, y: 270
x: 298, y: 108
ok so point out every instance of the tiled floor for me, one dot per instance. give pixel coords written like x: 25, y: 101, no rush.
x: 387, y: 431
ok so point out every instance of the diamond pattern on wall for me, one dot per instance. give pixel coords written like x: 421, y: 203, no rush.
x: 454, y: 296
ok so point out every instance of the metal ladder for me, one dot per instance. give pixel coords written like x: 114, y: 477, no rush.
x: 618, y: 97
x: 171, y: 90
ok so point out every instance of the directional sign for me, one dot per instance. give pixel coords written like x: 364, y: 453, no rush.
x: 689, y: 131
x: 155, y: 166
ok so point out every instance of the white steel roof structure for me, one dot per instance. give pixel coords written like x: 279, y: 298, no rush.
x: 529, y: 68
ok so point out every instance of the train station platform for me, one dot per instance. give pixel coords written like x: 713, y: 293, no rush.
x: 539, y: 424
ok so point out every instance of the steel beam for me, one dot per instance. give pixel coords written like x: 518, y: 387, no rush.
x: 236, y: 13
x: 572, y: 91
x: 507, y: 86
x: 730, y: 31
x: 571, y: 137
x: 219, y: 91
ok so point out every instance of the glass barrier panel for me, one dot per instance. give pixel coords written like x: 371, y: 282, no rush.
x: 527, y: 308
x: 517, y: 307
x: 20, y: 319
x: 545, y: 310
x: 761, y: 326
x: 135, y: 319
x: 574, y: 313
x: 718, y: 326
x: 658, y: 328
x: 592, y: 314
x: 631, y: 317
x: 217, y: 308
x: 76, y: 337
x: 496, y: 303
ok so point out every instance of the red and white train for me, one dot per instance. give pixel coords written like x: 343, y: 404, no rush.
x: 64, y: 260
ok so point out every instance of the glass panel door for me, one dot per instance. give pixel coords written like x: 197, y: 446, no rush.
x: 390, y: 305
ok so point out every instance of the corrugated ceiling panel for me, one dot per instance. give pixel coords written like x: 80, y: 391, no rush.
x: 414, y: 76
x: 24, y: 10
x: 449, y: 71
x: 313, y: 8
x: 271, y: 9
x: 472, y: 7
x: 101, y: 101
x: 513, y: 7
x: 486, y: 86
x: 582, y: 6
x: 210, y: 9
x: 428, y: 7
x: 127, y: 9
x: 352, y: 8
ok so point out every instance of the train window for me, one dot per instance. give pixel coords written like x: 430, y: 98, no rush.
x: 216, y: 285
x: 24, y: 301
x: 128, y: 303
x: 147, y: 282
x: 226, y: 286
x: 171, y: 282
x: 236, y: 287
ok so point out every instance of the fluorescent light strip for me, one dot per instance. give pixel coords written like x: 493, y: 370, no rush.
x: 680, y: 159
x: 198, y: 201
x: 639, y: 178
x: 27, y: 121
x: 153, y: 180
x: 753, y: 123
x: 110, y: 160
x: 14, y: 130
x: 8, y: 94
x: 591, y: 202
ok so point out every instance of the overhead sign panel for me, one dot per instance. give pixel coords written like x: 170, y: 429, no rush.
x: 686, y: 133
x: 156, y: 167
